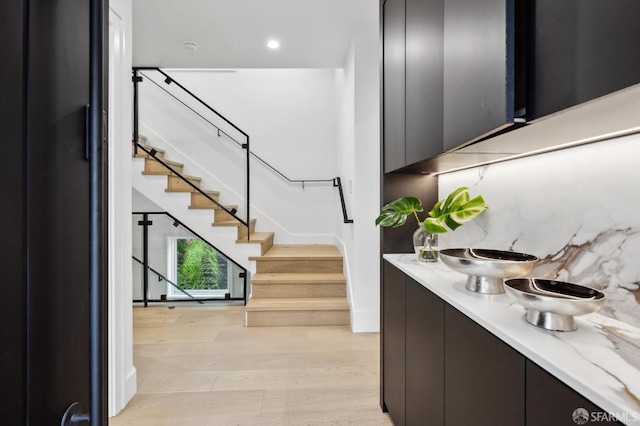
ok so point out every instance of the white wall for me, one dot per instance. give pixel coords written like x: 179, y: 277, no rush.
x: 122, y: 373
x: 359, y: 163
x: 290, y: 117
x: 576, y: 209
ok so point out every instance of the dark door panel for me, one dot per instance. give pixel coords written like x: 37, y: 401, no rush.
x: 12, y: 214
x: 58, y: 197
x: 484, y: 377
x: 47, y: 84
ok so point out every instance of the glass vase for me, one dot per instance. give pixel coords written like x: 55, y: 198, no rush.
x: 425, y: 244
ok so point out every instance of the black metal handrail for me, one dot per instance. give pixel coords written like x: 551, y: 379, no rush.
x: 153, y: 152
x: 336, y: 182
x: 176, y: 222
x: 176, y: 286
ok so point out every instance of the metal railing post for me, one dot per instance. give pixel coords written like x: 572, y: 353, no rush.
x: 135, y: 79
x: 248, y: 189
x: 145, y: 258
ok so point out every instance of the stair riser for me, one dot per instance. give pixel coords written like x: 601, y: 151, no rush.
x: 265, y: 246
x: 297, y: 318
x: 242, y: 230
x: 174, y: 183
x: 198, y: 200
x: 298, y: 290
x: 222, y: 216
x: 152, y: 166
x: 283, y: 266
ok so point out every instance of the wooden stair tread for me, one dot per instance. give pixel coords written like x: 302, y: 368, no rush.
x: 300, y: 252
x: 199, y: 179
x: 165, y: 172
x: 300, y: 277
x: 211, y: 193
x: 169, y: 162
x: 256, y: 237
x: 230, y: 223
x: 214, y: 207
x: 298, y: 304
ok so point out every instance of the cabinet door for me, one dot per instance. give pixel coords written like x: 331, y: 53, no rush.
x: 393, y: 343
x: 393, y: 22
x: 424, y: 356
x: 580, y: 50
x: 484, y: 377
x: 551, y: 402
x: 424, y: 68
x: 479, y: 64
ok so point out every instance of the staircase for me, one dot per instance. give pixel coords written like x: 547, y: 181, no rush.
x: 293, y: 285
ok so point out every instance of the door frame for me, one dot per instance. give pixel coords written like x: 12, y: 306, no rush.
x: 122, y: 376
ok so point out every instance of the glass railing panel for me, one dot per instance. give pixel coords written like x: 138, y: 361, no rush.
x: 182, y: 266
x: 193, y: 134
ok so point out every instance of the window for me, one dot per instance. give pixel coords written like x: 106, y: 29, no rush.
x: 197, y: 268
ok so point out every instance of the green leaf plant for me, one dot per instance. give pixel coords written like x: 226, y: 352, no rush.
x: 446, y: 215
x: 454, y: 211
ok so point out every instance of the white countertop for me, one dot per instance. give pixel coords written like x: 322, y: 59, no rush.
x: 600, y: 360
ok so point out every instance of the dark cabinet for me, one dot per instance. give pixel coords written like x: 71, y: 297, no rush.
x: 551, y: 402
x: 424, y: 356
x: 439, y: 367
x: 412, y: 81
x: 580, y: 50
x: 480, y: 56
x: 423, y: 76
x: 412, y: 351
x: 485, y: 378
x: 393, y: 343
x: 393, y: 27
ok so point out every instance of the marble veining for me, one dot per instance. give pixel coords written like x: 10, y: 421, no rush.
x: 577, y: 210
x: 600, y: 359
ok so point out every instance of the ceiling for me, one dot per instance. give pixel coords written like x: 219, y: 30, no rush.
x: 234, y: 33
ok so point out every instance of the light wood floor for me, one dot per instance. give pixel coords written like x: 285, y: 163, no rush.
x: 198, y: 365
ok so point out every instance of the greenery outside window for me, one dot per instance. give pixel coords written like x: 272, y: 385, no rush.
x: 196, y: 267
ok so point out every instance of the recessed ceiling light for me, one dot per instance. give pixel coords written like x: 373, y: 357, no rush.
x: 273, y: 44
x: 190, y: 45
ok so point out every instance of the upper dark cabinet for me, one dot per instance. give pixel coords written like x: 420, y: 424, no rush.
x: 423, y: 76
x: 458, y: 73
x: 483, y: 47
x: 393, y: 27
x: 412, y: 81
x: 580, y: 50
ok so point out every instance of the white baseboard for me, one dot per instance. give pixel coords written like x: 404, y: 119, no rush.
x: 365, y: 321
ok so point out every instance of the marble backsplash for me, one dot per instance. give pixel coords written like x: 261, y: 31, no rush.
x: 577, y: 209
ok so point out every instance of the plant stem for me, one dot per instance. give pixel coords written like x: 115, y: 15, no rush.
x: 417, y: 218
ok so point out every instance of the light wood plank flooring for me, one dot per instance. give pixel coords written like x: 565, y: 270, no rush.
x: 198, y: 365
